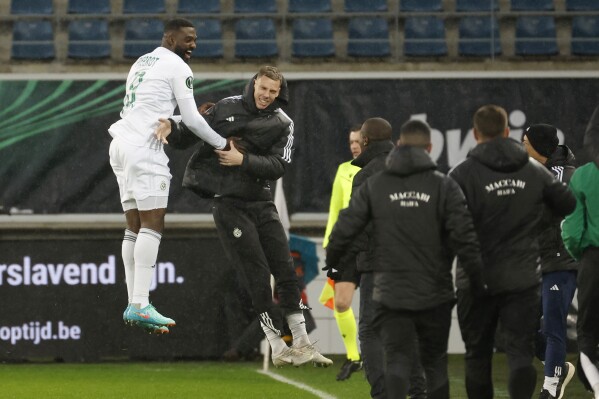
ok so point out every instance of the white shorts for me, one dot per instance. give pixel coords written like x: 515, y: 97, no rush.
x: 142, y: 174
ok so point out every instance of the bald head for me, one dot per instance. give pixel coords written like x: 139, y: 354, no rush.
x: 376, y: 129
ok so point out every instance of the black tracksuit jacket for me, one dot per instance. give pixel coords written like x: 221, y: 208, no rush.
x: 506, y: 192
x: 267, y: 138
x: 554, y: 256
x: 419, y: 219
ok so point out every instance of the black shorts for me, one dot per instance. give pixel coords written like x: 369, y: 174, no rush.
x: 350, y: 270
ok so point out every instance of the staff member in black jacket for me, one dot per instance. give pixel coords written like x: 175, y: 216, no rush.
x: 246, y: 218
x: 419, y: 218
x: 505, y: 191
x: 558, y: 267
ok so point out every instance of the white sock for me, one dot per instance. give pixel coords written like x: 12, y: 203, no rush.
x: 277, y: 344
x: 146, y: 252
x: 550, y: 384
x: 297, y: 325
x: 591, y: 372
x: 128, y: 261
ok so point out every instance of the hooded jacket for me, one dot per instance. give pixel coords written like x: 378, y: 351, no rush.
x: 371, y: 161
x: 419, y: 218
x: 554, y: 256
x: 506, y: 192
x: 267, y: 139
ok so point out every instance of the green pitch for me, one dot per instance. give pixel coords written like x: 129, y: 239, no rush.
x: 182, y: 380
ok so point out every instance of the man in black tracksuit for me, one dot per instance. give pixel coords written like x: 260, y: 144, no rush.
x: 558, y: 267
x: 260, y: 136
x: 505, y: 191
x: 419, y: 220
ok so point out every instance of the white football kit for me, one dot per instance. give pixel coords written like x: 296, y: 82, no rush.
x: 156, y: 84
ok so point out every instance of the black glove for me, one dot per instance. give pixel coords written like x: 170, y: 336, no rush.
x: 332, y: 272
x: 477, y: 285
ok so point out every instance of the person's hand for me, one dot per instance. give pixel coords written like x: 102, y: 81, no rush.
x: 332, y: 272
x: 231, y: 156
x: 163, y: 130
x: 478, y: 287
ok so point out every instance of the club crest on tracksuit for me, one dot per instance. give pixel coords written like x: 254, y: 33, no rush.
x: 237, y: 232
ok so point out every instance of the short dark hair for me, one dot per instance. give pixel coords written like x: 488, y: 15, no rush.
x: 490, y: 120
x: 415, y: 133
x: 355, y: 127
x: 176, y: 24
x: 270, y: 72
x: 376, y: 129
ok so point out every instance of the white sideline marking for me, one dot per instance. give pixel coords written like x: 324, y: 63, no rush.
x: 300, y: 385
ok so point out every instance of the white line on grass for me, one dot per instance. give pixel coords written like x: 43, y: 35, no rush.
x: 300, y: 385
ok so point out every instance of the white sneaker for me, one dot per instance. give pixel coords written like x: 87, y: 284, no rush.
x: 317, y: 359
x: 291, y: 356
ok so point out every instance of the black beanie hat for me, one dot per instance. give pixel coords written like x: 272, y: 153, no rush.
x: 543, y: 138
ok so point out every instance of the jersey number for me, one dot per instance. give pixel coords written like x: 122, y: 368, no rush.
x: 130, y: 96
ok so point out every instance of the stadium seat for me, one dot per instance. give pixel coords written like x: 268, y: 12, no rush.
x: 142, y: 36
x: 255, y: 6
x: 477, y: 38
x: 582, y: 5
x: 536, y: 35
x: 89, y: 38
x: 210, y: 38
x: 365, y: 5
x: 585, y: 35
x: 198, y: 6
x: 368, y: 37
x: 532, y: 5
x: 420, y: 5
x: 89, y: 7
x: 255, y: 38
x: 143, y: 7
x: 308, y: 6
x: 476, y: 5
x: 33, y: 40
x: 44, y: 7
x: 425, y: 36
x: 313, y: 38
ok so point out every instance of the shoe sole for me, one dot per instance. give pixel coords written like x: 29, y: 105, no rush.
x: 133, y: 321
x: 571, y: 371
x: 157, y: 331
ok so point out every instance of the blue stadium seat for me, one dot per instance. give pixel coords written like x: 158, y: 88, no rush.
x: 582, y: 5
x: 420, y: 5
x: 477, y: 38
x: 306, y: 6
x: 368, y: 37
x: 33, y: 40
x: 89, y: 38
x: 536, y: 35
x: 532, y: 5
x: 89, y: 7
x: 255, y: 6
x: 585, y: 35
x: 198, y: 6
x: 32, y: 7
x: 313, y: 38
x: 365, y: 5
x: 476, y: 5
x: 142, y: 36
x: 255, y: 38
x: 210, y: 38
x: 143, y: 7
x: 425, y: 36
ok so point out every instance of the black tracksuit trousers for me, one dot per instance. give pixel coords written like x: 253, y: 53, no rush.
x: 255, y: 242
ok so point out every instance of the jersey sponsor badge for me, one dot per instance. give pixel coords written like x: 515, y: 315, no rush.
x: 237, y: 232
x: 189, y: 82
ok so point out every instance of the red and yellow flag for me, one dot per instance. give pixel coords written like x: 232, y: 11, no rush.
x: 327, y: 296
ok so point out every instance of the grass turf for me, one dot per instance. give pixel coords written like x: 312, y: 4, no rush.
x: 132, y: 380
